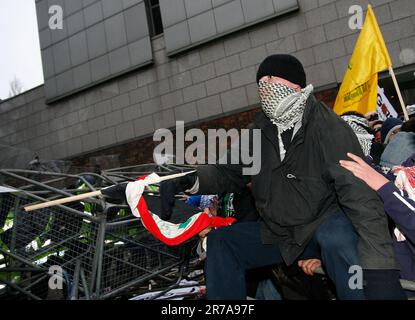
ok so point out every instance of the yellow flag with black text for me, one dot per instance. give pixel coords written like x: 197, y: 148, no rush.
x: 359, y: 88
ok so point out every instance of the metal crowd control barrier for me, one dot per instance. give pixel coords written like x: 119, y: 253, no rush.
x: 83, y: 250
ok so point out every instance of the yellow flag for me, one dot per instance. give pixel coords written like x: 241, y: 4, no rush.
x: 359, y: 89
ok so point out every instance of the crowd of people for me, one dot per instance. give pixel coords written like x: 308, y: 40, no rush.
x: 333, y: 192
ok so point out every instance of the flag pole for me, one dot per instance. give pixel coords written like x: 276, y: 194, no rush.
x: 97, y: 193
x: 398, y: 90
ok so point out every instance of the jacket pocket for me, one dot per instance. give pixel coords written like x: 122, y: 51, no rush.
x: 304, y: 196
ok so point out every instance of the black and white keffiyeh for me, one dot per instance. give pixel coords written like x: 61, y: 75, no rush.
x: 283, y: 106
x: 359, y: 125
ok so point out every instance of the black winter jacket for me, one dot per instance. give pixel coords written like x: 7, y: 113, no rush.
x: 294, y: 196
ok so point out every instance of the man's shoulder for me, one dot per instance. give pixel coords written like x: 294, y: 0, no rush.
x: 322, y: 114
x: 326, y: 121
x: 321, y: 109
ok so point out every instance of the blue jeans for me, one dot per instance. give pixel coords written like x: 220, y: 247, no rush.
x: 234, y: 250
x: 267, y: 291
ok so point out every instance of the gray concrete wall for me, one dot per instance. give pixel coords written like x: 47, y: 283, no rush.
x: 99, y: 40
x: 206, y: 82
x: 188, y: 23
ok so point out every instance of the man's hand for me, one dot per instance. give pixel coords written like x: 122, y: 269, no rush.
x: 309, y: 265
x: 203, y: 234
x: 364, y: 172
x: 184, y: 197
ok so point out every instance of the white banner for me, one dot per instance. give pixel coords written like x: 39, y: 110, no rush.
x: 384, y: 107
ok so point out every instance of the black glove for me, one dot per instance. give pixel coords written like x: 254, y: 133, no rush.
x: 116, y: 192
x: 169, y: 188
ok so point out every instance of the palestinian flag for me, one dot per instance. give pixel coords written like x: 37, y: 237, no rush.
x: 167, y: 232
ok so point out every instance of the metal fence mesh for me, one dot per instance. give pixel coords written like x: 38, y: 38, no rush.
x: 45, y: 238
x: 102, y: 253
x: 131, y: 256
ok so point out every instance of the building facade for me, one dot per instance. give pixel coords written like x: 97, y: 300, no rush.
x: 120, y: 69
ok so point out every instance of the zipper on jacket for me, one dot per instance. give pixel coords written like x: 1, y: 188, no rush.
x: 291, y: 148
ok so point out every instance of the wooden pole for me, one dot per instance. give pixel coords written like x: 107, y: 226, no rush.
x: 398, y: 90
x: 62, y: 200
x: 91, y: 194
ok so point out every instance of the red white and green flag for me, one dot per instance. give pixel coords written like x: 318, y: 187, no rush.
x: 167, y: 232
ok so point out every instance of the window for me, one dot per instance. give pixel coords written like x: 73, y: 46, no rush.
x: 154, y: 17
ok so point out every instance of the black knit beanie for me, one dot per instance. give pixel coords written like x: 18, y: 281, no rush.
x: 283, y: 66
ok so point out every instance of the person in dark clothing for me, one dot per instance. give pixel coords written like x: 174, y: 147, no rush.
x: 409, y: 126
x: 239, y: 205
x: 365, y: 135
x: 390, y: 128
x: 307, y: 201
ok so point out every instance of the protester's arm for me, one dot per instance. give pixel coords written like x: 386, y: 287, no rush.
x: 396, y: 203
x: 400, y: 208
x: 228, y: 178
x: 364, y: 172
x: 361, y: 204
x: 208, y: 179
x: 218, y: 179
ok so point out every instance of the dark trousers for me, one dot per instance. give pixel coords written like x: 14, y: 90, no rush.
x: 233, y: 250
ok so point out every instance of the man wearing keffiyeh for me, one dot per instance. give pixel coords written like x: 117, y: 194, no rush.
x: 310, y: 206
x: 365, y: 134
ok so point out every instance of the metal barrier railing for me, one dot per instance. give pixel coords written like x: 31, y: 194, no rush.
x: 102, y: 250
